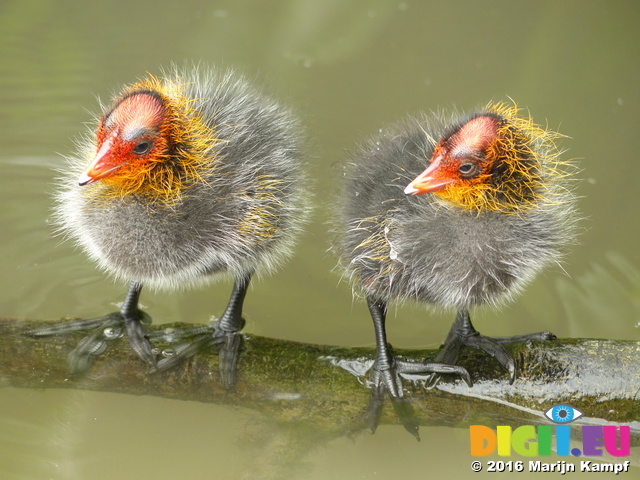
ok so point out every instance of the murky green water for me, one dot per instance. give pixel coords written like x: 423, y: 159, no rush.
x: 347, y: 68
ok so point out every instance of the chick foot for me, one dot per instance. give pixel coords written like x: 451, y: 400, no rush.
x: 200, y: 339
x: 463, y: 334
x: 386, y: 376
x: 101, y: 330
x: 387, y: 371
x: 225, y: 332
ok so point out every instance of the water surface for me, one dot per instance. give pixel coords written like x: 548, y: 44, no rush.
x: 347, y: 68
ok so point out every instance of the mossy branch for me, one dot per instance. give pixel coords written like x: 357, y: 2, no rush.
x: 291, y: 382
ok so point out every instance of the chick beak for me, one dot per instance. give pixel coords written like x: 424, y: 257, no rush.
x: 103, y: 164
x: 427, y: 182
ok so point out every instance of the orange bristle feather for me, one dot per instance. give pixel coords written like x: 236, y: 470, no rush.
x: 182, y: 135
x: 522, y: 170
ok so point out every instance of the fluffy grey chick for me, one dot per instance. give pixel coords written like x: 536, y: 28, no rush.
x: 187, y: 177
x: 492, y: 207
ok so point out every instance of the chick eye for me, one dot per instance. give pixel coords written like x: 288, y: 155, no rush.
x: 142, y: 147
x: 467, y: 169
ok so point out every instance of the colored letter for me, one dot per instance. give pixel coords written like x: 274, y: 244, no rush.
x: 592, y: 440
x: 544, y: 440
x: 611, y: 444
x: 563, y: 440
x: 483, y: 440
x: 504, y: 440
x: 523, y: 441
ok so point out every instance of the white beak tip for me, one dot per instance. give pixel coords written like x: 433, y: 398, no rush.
x: 410, y: 190
x: 84, y: 179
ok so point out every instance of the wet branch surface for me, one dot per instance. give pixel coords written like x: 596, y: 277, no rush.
x: 294, y: 382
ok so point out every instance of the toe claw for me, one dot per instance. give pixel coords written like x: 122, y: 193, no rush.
x: 463, y: 334
x: 80, y: 359
x: 140, y: 343
x: 404, y: 411
x: 433, y: 380
x: 200, y: 339
x: 101, y: 330
x: 463, y: 373
x: 176, y: 355
x: 388, y: 378
x: 78, y: 362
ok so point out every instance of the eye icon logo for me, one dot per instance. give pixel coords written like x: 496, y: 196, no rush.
x: 563, y: 414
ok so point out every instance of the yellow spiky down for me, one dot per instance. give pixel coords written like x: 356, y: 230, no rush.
x: 261, y: 223
x: 188, y: 145
x: 526, y: 168
x: 375, y: 249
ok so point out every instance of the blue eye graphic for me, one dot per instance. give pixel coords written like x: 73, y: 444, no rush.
x: 562, y: 414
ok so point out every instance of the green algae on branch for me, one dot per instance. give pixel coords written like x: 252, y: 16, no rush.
x: 323, y: 385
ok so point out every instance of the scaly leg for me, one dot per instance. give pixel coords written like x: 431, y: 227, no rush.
x: 225, y: 331
x: 463, y: 334
x: 387, y: 370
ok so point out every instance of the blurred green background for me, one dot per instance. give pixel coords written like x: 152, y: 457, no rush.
x: 347, y: 68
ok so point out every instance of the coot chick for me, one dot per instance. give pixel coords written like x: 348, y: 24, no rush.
x: 188, y: 177
x: 492, y: 207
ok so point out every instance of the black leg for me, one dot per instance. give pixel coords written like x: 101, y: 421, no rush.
x: 226, y: 333
x: 229, y: 327
x: 231, y: 320
x: 133, y: 323
x: 387, y: 370
x: 463, y: 334
x: 384, y: 364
